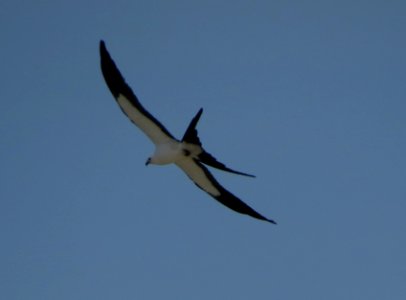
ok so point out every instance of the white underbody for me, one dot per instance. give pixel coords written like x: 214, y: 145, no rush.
x: 173, y: 152
x: 181, y: 154
x: 169, y: 150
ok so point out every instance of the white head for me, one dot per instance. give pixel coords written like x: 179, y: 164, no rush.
x: 153, y: 160
x: 166, y: 153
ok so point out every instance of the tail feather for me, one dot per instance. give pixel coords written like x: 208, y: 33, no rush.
x: 209, y: 160
x: 191, y: 137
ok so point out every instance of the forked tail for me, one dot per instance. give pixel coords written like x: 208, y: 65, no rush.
x: 191, y: 137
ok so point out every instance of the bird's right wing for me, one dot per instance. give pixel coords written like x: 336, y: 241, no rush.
x: 201, y: 176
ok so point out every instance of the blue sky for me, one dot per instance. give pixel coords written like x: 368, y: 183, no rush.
x: 307, y: 95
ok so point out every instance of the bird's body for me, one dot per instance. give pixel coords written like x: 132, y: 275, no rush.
x: 172, y: 151
x: 167, y: 153
x: 187, y: 153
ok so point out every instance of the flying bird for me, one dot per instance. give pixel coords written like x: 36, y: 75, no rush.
x: 187, y: 153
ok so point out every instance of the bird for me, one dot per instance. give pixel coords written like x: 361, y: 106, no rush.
x: 188, y: 153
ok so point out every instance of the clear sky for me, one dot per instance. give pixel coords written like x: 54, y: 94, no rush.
x: 307, y: 95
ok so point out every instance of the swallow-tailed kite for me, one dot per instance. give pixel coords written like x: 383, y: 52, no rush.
x: 188, y: 153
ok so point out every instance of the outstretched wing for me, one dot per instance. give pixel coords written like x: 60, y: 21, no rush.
x: 128, y: 102
x: 201, y: 176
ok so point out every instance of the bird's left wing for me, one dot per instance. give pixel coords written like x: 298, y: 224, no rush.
x: 128, y: 102
x: 201, y: 176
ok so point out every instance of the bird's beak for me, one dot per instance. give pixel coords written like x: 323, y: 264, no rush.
x: 148, y: 161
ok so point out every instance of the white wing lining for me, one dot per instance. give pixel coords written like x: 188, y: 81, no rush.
x: 197, y: 174
x: 129, y: 102
x: 144, y: 123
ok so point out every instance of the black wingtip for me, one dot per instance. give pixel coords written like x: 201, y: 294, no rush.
x: 111, y: 74
x: 272, y: 221
x: 261, y: 217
